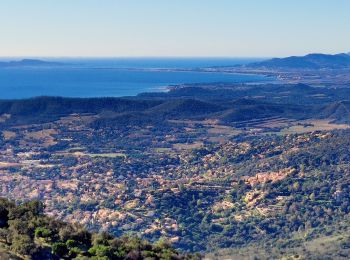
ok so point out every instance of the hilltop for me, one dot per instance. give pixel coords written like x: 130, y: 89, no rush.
x: 310, y: 61
x: 29, y: 63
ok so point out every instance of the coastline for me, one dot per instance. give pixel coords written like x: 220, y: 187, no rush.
x: 116, y: 82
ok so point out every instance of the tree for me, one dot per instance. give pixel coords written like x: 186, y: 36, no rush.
x: 23, y: 244
x: 60, y: 249
x: 3, y: 216
x: 70, y: 243
x: 101, y: 239
x: 42, y: 232
x: 4, y: 235
x: 312, y: 196
x: 100, y: 251
x: 296, y: 186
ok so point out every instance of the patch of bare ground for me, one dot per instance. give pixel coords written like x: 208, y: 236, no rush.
x: 189, y: 146
x: 308, y: 126
x: 44, y: 137
x: 4, y: 117
x: 6, y: 165
x: 8, y: 135
x: 268, y: 176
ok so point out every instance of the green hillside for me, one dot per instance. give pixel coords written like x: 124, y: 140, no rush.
x: 26, y: 233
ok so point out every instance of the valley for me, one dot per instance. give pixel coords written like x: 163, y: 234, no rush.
x: 245, y: 164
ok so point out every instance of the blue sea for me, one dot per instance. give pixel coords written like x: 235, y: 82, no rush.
x: 113, y: 77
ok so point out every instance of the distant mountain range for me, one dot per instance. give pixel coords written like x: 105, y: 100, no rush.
x: 29, y: 63
x: 310, y: 61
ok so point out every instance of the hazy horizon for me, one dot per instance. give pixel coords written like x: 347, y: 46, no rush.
x: 133, y: 57
x: 164, y: 57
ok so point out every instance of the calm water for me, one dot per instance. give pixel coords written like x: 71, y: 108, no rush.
x: 111, y: 77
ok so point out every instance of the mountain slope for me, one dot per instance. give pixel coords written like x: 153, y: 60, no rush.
x: 338, y: 111
x: 45, y: 109
x: 245, y: 109
x: 310, y: 61
x: 184, y: 108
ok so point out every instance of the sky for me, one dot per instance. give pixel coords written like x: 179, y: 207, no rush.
x: 173, y: 28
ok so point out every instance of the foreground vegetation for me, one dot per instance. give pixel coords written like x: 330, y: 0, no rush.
x: 328, y: 242
x: 25, y: 232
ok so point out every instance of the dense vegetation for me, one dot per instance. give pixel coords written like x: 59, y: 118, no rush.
x: 313, y: 193
x: 227, y: 103
x: 27, y: 232
x: 328, y: 242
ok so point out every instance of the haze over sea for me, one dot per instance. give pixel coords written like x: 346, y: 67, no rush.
x: 113, y: 77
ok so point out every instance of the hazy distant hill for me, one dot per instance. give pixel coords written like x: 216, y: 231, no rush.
x: 29, y: 63
x: 310, y: 61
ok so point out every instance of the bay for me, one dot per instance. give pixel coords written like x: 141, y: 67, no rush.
x: 112, y: 77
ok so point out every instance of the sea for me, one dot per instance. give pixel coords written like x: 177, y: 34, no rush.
x: 114, y: 77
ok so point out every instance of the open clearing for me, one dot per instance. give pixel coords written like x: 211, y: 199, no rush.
x: 307, y: 126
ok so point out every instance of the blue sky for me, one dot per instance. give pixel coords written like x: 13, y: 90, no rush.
x: 234, y: 28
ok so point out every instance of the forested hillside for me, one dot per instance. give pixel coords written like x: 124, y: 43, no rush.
x: 25, y: 232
